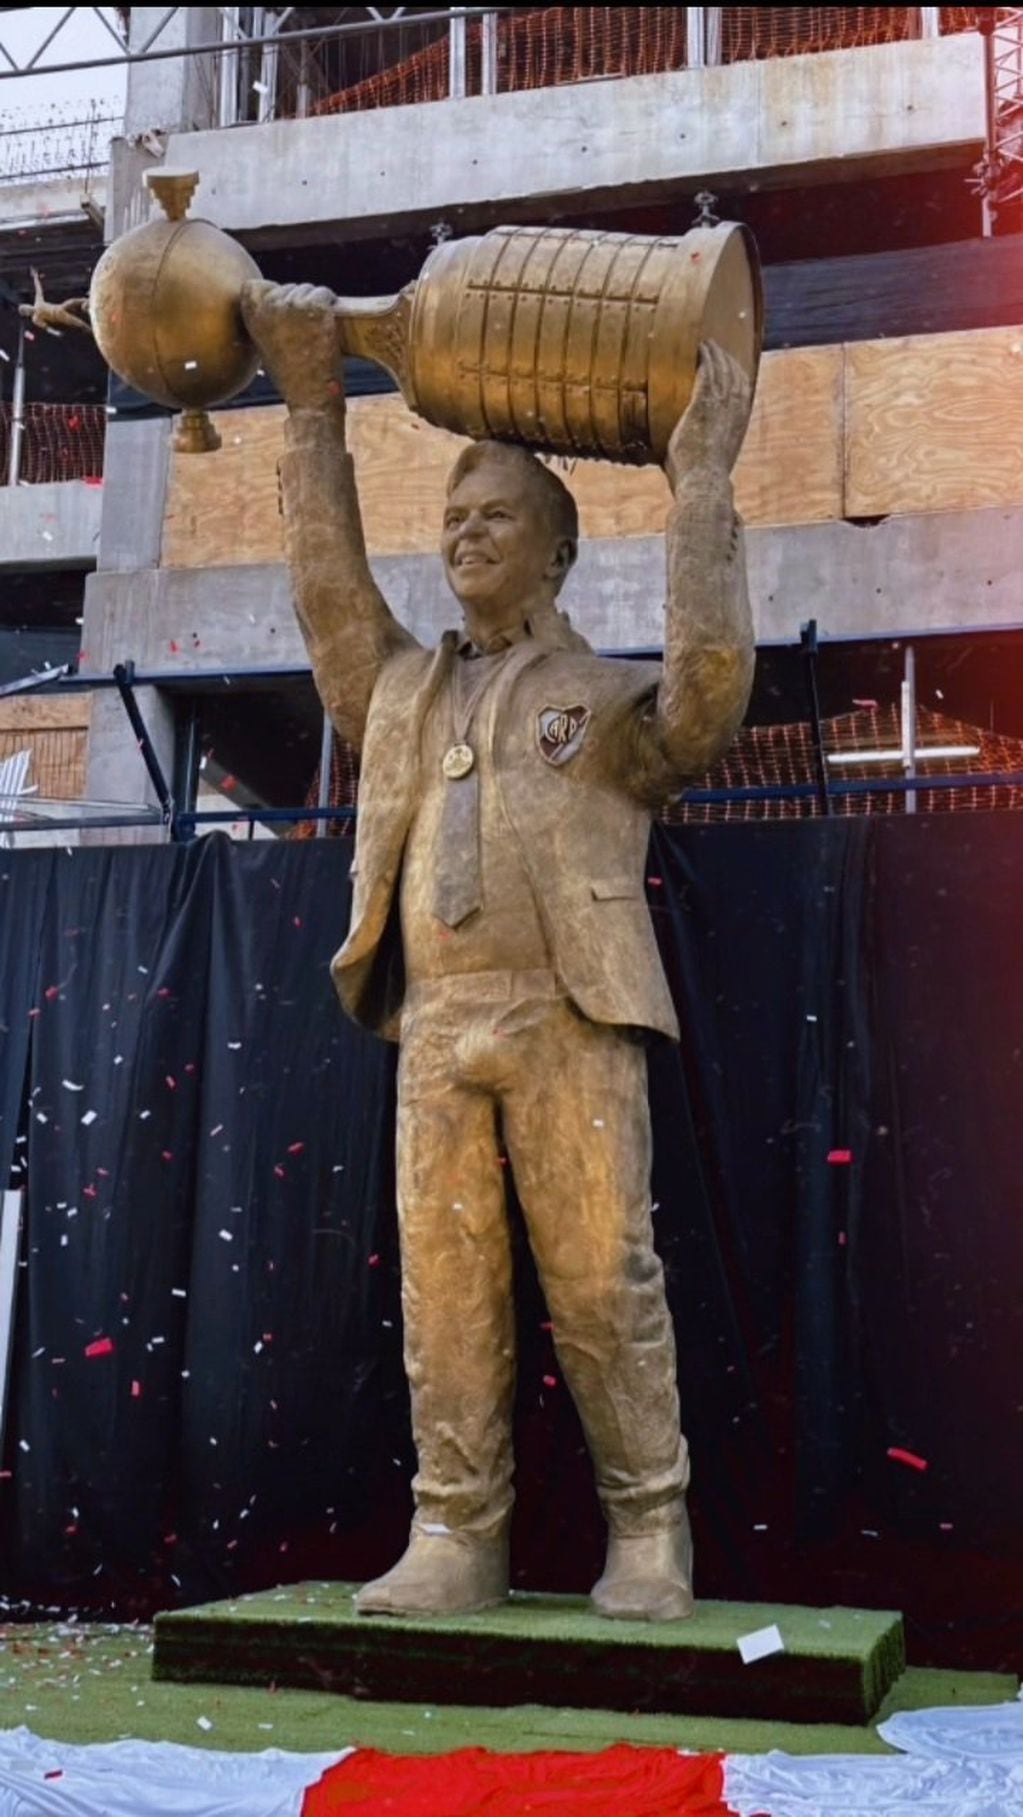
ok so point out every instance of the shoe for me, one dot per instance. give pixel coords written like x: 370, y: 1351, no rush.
x: 648, y: 1577
x: 444, y: 1573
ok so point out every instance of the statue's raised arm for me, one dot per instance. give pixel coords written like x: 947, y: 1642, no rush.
x: 708, y: 639
x: 348, y: 627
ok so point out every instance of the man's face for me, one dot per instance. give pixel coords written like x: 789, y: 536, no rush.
x: 497, y: 544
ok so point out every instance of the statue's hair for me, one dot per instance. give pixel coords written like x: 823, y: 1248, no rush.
x: 558, y: 504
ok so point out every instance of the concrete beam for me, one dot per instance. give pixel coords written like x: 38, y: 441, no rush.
x: 850, y: 113
x: 943, y: 571
x: 54, y: 526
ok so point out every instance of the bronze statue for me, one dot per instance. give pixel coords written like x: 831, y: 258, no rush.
x: 499, y: 929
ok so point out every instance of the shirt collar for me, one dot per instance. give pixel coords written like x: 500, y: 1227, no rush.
x: 550, y: 630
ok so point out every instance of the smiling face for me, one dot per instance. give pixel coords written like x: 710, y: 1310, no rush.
x: 501, y: 552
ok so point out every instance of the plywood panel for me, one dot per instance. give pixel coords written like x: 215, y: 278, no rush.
x: 932, y: 422
x: 790, y: 468
x: 44, y: 712
x: 223, y: 508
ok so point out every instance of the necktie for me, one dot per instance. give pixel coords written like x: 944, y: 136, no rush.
x: 457, y: 889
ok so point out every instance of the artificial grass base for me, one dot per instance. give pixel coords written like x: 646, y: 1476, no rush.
x: 837, y: 1666
x: 80, y: 1683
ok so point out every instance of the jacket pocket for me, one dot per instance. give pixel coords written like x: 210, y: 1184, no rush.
x: 622, y: 889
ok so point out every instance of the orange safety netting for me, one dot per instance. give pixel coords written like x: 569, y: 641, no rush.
x: 60, y: 441
x: 547, y: 46
x: 783, y: 757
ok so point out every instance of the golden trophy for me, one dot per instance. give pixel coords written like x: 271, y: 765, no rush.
x: 562, y: 339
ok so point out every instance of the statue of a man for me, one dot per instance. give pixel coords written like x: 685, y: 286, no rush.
x: 499, y: 929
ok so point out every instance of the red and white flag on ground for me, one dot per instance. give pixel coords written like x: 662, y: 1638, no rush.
x: 962, y: 1762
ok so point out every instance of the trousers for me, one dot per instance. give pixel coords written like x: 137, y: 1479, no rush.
x: 504, y: 1057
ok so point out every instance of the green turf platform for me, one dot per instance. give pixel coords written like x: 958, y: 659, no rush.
x: 837, y: 1666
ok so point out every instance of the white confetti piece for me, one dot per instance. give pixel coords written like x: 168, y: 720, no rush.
x: 233, y: 1046
x: 760, y: 1644
x: 203, y: 1722
x: 179, y: 1293
x: 89, y: 1117
x: 598, y: 1122
x: 143, y: 1114
x: 226, y: 1236
x: 41, y: 1116
x: 69, y: 1085
x: 23, y: 1444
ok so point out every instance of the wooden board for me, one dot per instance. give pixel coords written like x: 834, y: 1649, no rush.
x: 57, y: 770
x: 932, y: 423
x: 44, y: 712
x: 224, y: 508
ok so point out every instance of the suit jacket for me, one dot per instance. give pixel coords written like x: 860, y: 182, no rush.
x: 635, y: 733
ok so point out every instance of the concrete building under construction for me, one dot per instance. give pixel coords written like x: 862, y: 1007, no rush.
x: 873, y: 153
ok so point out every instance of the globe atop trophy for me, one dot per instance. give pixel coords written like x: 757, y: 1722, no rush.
x: 565, y: 340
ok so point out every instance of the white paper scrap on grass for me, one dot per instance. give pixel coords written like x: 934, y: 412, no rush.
x: 42, y: 1778
x: 760, y: 1644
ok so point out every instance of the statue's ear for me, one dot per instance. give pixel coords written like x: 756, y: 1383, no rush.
x: 562, y: 558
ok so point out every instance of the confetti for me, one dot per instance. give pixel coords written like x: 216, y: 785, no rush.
x: 203, y: 1722
x: 100, y: 1347
x: 374, y: 1261
x: 760, y: 1644
x: 839, y: 1157
x: 136, y: 1391
x: 90, y: 1117
x: 295, y: 1148
x: 899, y: 1456
x: 226, y: 1236
x: 69, y: 1085
x: 550, y: 1381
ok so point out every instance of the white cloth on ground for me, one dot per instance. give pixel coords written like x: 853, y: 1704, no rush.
x: 960, y: 1762
x: 151, y: 1779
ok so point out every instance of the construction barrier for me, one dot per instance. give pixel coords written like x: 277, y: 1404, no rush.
x: 549, y: 46
x: 60, y: 441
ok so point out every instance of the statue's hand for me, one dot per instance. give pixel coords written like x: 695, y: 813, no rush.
x: 711, y: 431
x: 295, y: 330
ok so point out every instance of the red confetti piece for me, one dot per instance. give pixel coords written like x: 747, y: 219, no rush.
x: 898, y: 1456
x: 172, y: 647
x: 100, y: 1347
x: 295, y: 1148
x: 166, y: 1155
x: 841, y: 1239
x: 550, y: 1381
x: 840, y: 1157
x: 296, y: 920
x: 171, y: 1084
x: 93, y: 482
x: 229, y: 783
x: 136, y: 1391
x: 190, y: 1066
x: 57, y: 1772
x: 170, y: 1539
x: 90, y: 1192
x: 374, y: 1261
x: 279, y: 1171
x: 656, y: 883
x: 164, y: 991
x: 871, y: 705
x: 51, y: 991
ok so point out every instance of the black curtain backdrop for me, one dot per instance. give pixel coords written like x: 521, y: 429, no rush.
x: 207, y: 1392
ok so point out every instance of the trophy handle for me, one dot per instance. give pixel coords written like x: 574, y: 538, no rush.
x: 377, y: 328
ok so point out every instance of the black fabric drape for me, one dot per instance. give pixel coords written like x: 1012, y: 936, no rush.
x: 207, y: 1391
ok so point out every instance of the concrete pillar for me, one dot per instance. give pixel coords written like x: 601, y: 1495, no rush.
x: 177, y: 94
x: 115, y: 771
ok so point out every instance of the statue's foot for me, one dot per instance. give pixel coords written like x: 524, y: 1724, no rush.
x: 440, y: 1574
x: 648, y: 1578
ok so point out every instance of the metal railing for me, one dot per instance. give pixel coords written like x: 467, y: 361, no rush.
x: 180, y: 819
x: 258, y: 69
